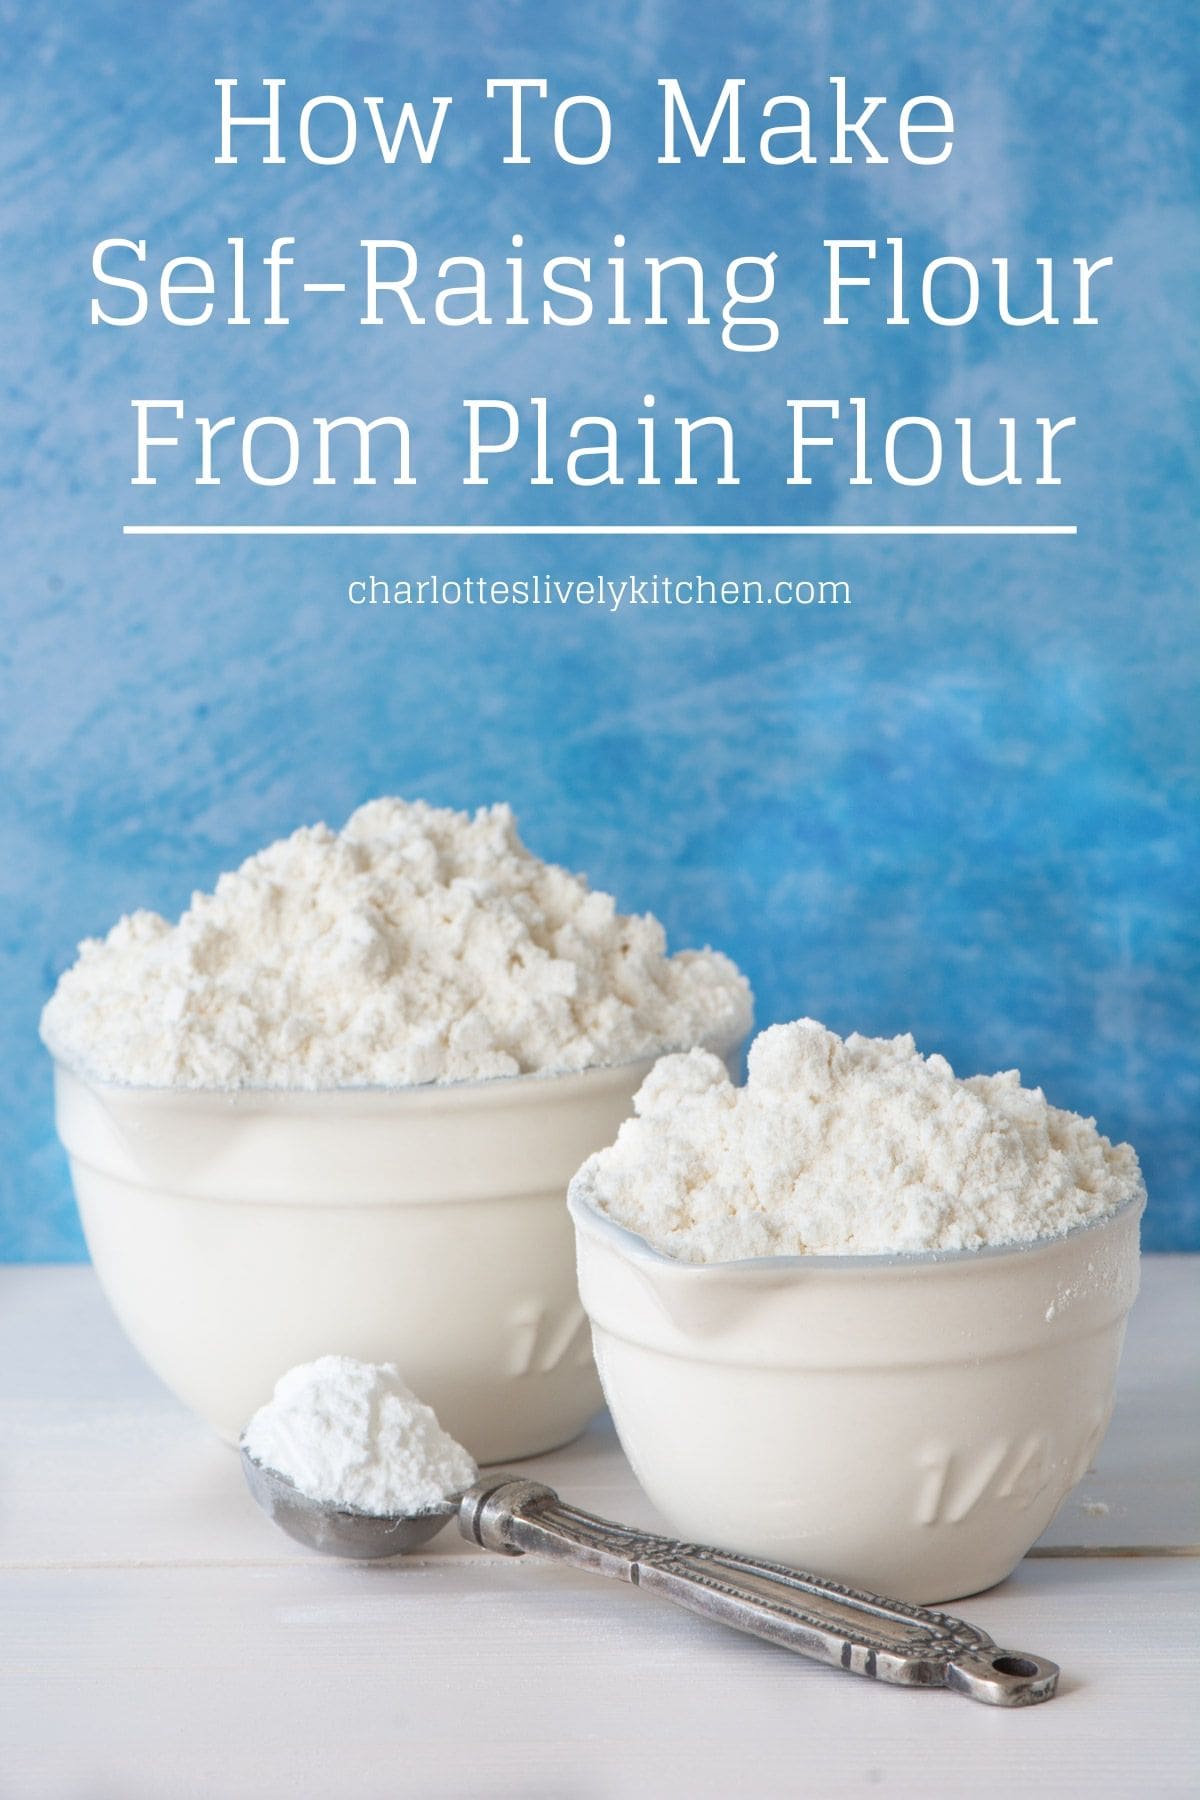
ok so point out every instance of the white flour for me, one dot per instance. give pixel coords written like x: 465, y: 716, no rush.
x: 350, y: 1433
x: 417, y: 945
x: 844, y: 1147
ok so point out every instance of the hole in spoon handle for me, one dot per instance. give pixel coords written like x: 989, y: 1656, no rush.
x: 1003, y: 1677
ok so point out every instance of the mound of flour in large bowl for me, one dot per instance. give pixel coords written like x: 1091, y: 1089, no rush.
x: 843, y: 1147
x: 416, y: 945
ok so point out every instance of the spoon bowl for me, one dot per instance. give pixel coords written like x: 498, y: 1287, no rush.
x: 340, y: 1531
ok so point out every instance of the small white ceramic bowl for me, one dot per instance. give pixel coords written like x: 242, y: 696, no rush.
x: 239, y: 1233
x: 908, y: 1424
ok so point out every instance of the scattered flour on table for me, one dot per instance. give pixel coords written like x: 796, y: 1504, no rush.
x: 351, y: 1434
x: 416, y: 945
x: 852, y: 1146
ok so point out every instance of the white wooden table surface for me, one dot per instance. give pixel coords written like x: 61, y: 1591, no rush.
x: 159, y: 1638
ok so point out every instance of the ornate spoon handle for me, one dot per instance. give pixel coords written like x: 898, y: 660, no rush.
x: 886, y: 1639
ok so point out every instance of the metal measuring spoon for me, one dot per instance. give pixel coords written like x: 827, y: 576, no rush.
x: 886, y: 1639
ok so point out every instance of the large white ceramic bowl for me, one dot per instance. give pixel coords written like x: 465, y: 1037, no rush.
x: 908, y: 1424
x: 239, y: 1233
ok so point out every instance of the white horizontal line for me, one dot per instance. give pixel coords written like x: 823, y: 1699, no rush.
x: 599, y: 530
x: 324, y: 287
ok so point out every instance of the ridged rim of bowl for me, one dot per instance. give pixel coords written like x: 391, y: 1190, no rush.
x: 722, y: 1047
x: 588, y: 1217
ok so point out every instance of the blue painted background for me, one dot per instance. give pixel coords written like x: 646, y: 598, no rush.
x: 964, y: 807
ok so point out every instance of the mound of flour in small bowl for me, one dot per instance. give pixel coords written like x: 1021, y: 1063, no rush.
x: 416, y: 945
x: 843, y: 1147
x: 351, y: 1434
